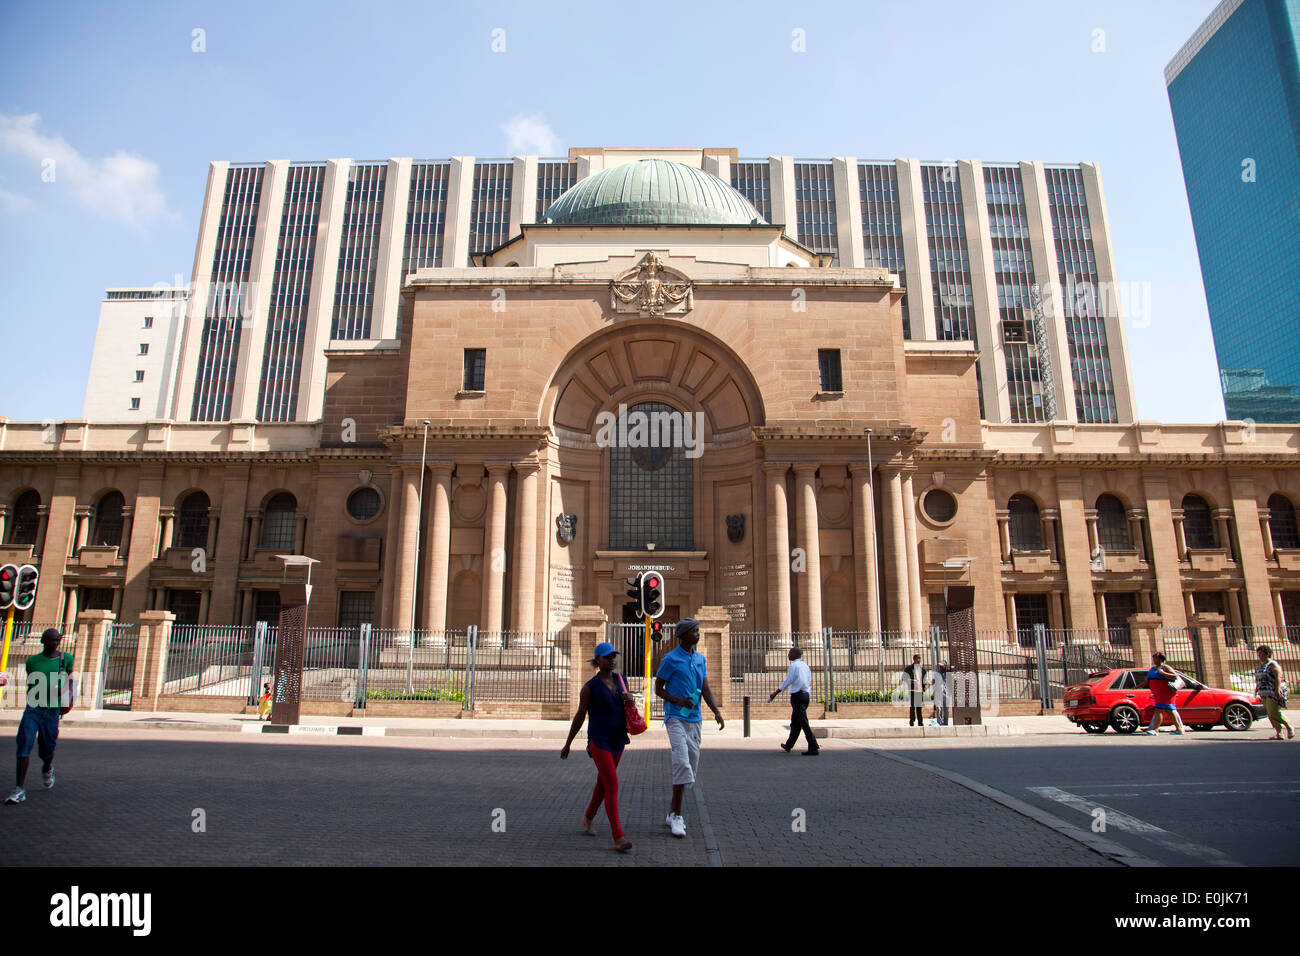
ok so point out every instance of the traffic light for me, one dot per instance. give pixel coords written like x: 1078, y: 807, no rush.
x: 8, y: 585
x: 652, y: 594
x: 26, y: 594
x: 634, y: 592
x: 656, y: 630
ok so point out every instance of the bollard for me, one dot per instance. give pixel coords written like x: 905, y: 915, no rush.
x: 746, y: 716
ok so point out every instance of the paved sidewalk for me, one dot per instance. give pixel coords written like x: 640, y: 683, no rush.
x: 504, y: 728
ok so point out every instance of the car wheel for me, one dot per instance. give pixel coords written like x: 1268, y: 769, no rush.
x: 1125, y: 719
x: 1095, y: 727
x: 1237, y: 717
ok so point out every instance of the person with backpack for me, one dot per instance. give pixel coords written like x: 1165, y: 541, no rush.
x: 606, y: 699
x: 1161, y: 682
x: 47, y: 702
x: 1271, y: 687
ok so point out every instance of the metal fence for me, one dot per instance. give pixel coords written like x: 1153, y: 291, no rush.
x: 528, y: 666
x: 1242, y: 661
x: 211, y: 660
x: 427, y: 665
x: 118, y: 666
x: 629, y: 641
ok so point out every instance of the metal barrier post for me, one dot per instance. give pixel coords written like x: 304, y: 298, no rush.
x: 103, y: 668
x: 1044, y: 690
x: 746, y: 716
x: 259, y: 651
x: 363, y: 665
x: 830, y: 668
x: 471, y: 643
x: 410, y: 665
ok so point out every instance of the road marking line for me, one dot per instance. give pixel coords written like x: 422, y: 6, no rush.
x: 1131, y: 824
x: 1098, y: 844
x: 1183, y: 793
x: 710, y: 841
x: 1180, y: 783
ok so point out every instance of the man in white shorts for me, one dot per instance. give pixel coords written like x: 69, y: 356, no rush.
x: 682, y: 681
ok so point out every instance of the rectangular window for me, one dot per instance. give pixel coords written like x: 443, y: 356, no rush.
x: 475, y: 369
x: 139, y: 375
x: 828, y: 363
x: 356, y: 608
x: 144, y: 348
x: 135, y: 404
x: 148, y: 322
x: 1031, y: 609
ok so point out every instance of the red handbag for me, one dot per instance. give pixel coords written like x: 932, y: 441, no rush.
x: 635, y: 722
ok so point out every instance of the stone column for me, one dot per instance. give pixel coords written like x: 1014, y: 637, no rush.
x: 1101, y: 615
x: 1180, y: 538
x: 1047, y: 526
x: 524, y: 603
x: 165, y: 517
x: 254, y: 520
x: 1213, y: 645
x: 1189, y: 604
x: 300, y: 533
x: 70, y: 609
x: 1010, y: 600
x: 128, y: 523
x: 778, y: 550
x: 715, y: 645
x: 1254, y: 545
x: 1266, y: 533
x: 1165, y: 552
x: 42, y: 524
x: 93, y: 628
x: 4, y: 520
x: 404, y: 586
x: 85, y: 517
x: 1279, y: 614
x: 1234, y: 607
x: 437, y: 557
x: 205, y: 601
x: 587, y: 627
x: 913, y: 555
x: 899, y: 589
x: 392, y: 554
x: 1136, y: 533
x: 1145, y: 629
x: 810, y: 593
x: 151, y: 658
x: 1090, y: 517
x: 494, y: 555
x: 864, y: 539
x: 1004, y: 534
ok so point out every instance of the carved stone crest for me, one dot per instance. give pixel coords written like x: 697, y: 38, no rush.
x: 650, y: 288
x: 567, y: 526
x: 736, y: 528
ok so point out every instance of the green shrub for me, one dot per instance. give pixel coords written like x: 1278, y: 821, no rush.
x: 429, y: 693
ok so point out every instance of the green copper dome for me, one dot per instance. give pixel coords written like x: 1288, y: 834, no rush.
x: 652, y: 192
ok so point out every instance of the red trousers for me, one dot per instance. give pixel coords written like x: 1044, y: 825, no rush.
x: 606, y: 787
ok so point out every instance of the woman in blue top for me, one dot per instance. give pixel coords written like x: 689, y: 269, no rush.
x: 605, y: 697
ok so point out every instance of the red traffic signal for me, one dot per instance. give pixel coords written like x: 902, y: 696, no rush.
x: 25, y: 596
x: 634, y: 592
x: 656, y: 630
x: 8, y: 585
x: 652, y: 594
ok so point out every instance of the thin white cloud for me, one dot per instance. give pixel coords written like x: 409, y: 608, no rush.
x: 120, y: 186
x: 13, y: 202
x: 530, y: 135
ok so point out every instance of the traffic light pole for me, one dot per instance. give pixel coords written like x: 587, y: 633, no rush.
x: 647, y: 668
x: 9, y: 630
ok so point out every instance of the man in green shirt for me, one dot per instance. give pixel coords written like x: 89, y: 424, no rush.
x: 48, y: 673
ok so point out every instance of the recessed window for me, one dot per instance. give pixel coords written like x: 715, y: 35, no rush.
x: 139, y: 375
x: 363, y: 504
x: 475, y: 369
x: 828, y: 364
x: 144, y: 348
x: 939, y: 506
x: 135, y: 404
x: 148, y: 322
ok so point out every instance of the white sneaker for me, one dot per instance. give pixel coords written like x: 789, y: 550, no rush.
x: 678, y: 824
x: 18, y: 796
x: 48, y: 779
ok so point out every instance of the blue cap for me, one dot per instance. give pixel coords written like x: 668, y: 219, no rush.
x: 603, y: 649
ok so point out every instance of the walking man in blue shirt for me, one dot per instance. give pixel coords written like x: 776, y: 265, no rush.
x: 798, y: 681
x: 681, y: 681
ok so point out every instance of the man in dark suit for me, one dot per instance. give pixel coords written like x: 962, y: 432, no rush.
x: 916, y: 675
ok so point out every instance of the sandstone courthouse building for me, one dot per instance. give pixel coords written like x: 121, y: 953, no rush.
x: 962, y: 312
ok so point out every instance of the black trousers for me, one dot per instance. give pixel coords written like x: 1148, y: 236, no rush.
x: 799, y: 720
x: 914, y: 713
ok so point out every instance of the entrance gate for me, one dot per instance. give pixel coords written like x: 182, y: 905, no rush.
x: 118, y: 667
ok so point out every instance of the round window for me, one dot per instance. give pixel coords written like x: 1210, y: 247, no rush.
x: 939, y: 505
x: 363, y: 504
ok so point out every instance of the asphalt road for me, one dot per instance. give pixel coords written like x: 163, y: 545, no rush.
x: 1203, y: 799
x: 130, y: 798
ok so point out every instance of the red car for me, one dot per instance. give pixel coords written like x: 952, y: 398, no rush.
x: 1119, y: 698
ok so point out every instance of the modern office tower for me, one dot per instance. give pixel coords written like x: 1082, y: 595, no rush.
x: 1234, y: 89
x: 134, y: 363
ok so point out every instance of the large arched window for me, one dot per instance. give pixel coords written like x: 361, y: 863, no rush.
x: 1282, y: 523
x: 280, y: 524
x: 651, y: 480
x: 26, y: 518
x: 1026, y: 528
x: 1198, y: 524
x: 108, y: 520
x: 192, y: 521
x: 1112, y: 524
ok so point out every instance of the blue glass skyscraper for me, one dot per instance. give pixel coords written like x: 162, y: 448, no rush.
x: 1234, y: 89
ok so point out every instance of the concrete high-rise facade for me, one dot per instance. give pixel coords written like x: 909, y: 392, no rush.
x: 1234, y: 89
x: 295, y: 260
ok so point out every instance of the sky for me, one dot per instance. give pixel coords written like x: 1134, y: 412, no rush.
x: 131, y: 101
